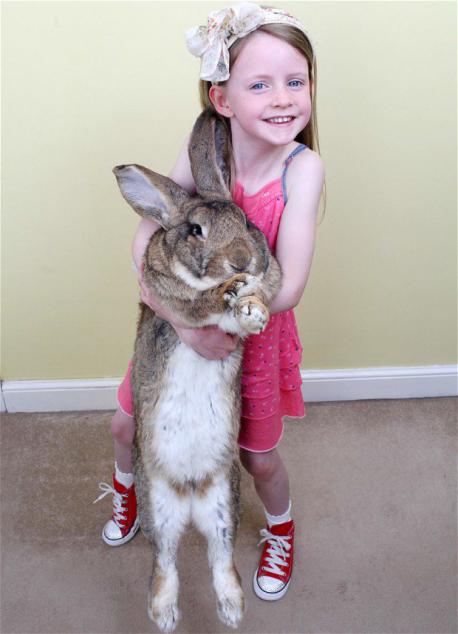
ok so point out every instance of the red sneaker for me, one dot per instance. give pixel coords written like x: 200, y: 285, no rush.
x: 124, y: 522
x: 273, y: 576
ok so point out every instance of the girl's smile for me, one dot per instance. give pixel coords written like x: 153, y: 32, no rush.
x: 283, y: 121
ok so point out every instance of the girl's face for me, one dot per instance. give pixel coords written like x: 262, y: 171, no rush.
x: 267, y: 95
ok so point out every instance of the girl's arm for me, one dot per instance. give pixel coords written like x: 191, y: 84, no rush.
x: 296, y: 234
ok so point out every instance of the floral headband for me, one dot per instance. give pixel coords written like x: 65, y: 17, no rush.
x: 212, y: 42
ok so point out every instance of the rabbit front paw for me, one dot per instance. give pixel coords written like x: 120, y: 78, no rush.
x: 252, y: 314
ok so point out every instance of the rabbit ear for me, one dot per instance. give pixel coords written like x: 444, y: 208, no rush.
x: 151, y: 195
x: 209, y: 156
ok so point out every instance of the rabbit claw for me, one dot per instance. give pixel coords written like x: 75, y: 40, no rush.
x: 232, y: 287
x: 241, y: 285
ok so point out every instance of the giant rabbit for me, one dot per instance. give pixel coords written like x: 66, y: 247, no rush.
x: 209, y: 265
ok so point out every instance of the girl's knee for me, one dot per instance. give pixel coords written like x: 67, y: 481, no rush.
x: 260, y: 465
x: 123, y: 427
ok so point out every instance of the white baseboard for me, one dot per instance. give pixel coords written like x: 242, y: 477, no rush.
x: 317, y: 386
x: 60, y: 395
x: 2, y: 400
x: 379, y: 383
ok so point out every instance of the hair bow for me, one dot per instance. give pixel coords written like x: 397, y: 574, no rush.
x: 212, y: 42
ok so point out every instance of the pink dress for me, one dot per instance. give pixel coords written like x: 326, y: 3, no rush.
x: 271, y: 379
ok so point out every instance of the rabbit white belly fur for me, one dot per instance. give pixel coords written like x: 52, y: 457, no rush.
x: 193, y: 418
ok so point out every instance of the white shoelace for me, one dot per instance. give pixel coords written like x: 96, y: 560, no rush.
x: 278, y: 551
x: 118, y: 498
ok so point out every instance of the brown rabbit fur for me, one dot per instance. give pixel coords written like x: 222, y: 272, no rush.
x: 209, y: 265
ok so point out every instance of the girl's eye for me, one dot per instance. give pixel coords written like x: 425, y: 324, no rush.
x: 294, y: 83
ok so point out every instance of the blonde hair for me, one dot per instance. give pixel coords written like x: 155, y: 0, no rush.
x: 297, y: 39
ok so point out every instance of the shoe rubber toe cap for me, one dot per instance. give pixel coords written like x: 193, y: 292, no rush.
x: 111, y: 531
x: 269, y: 584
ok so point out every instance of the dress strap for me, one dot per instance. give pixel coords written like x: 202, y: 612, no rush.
x: 286, y: 163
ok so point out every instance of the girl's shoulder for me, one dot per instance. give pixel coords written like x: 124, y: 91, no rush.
x: 303, y: 161
x: 306, y: 166
x: 303, y: 176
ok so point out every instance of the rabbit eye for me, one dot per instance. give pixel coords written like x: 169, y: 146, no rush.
x: 195, y: 230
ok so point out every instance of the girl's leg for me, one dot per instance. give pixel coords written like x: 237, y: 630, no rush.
x: 124, y: 523
x: 123, y: 430
x: 270, y: 479
x: 273, y: 575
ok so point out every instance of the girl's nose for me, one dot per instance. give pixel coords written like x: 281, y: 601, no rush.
x: 281, y: 97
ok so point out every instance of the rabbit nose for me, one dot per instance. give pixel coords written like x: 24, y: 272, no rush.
x: 237, y: 269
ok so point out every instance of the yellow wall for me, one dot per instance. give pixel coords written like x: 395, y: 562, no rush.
x: 88, y: 85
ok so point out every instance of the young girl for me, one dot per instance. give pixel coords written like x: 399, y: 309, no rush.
x: 258, y: 73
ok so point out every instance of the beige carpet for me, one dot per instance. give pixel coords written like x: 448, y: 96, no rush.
x: 374, y: 499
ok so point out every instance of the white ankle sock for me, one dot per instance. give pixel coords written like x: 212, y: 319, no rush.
x: 279, y: 519
x: 126, y: 479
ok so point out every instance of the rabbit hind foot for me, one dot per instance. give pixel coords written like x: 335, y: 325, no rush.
x: 231, y: 602
x: 163, y: 601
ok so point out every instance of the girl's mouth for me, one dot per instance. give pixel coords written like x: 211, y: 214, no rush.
x: 279, y: 120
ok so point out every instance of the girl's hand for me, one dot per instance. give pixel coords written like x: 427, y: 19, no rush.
x: 210, y: 341
x: 147, y: 297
